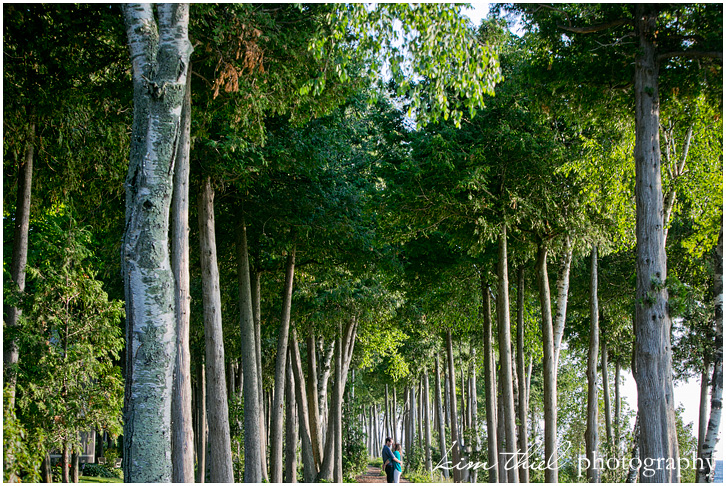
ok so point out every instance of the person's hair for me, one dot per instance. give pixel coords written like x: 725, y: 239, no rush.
x: 388, y: 439
x: 397, y: 447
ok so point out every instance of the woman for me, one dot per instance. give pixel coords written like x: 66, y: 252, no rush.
x: 397, y: 462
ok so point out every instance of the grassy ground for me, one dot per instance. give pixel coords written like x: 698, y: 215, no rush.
x: 88, y: 479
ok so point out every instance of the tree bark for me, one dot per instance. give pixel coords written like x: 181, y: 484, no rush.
x: 65, y: 462
x: 591, y: 432
x: 505, y: 355
x: 653, y: 355
x: 522, y: 382
x: 550, y: 374
x: 323, y: 379
x: 276, y: 415
x: 606, y: 395
x: 616, y: 417
x: 19, y: 259
x: 394, y: 418
x: 310, y: 465
x: 441, y: 420
x: 475, y: 445
x: 75, y: 469
x: 201, y: 435
x: 490, y: 387
x: 427, y: 423
x: 254, y: 418
x: 220, y: 449
x: 181, y: 413
x: 706, y: 469
x: 160, y: 57
x: 290, y: 428
x: 455, y: 451
x: 563, y: 287
x: 313, y: 406
x: 257, y: 319
x: 703, y: 405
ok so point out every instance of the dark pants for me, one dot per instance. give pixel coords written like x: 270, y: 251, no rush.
x: 389, y: 473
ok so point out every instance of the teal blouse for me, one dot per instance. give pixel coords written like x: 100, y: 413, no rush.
x: 397, y: 464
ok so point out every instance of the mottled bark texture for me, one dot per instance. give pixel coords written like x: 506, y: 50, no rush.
x: 441, y: 421
x: 257, y: 318
x: 276, y: 413
x: 522, y: 382
x: 490, y: 386
x: 220, y: 449
x: 455, y: 450
x: 563, y: 288
x: 290, y: 427
x: 160, y: 58
x: 312, y: 396
x: 181, y: 412
x: 201, y: 435
x: 310, y: 467
x: 252, y: 403
x: 653, y: 354
x: 19, y: 259
x: 591, y: 432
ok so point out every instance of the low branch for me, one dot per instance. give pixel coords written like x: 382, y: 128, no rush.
x: 692, y: 55
x: 595, y: 28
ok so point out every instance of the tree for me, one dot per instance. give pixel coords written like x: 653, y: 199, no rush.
x: 160, y: 57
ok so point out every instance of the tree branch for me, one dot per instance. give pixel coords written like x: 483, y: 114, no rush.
x: 692, y: 55
x: 595, y: 28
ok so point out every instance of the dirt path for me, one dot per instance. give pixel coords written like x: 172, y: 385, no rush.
x: 373, y: 475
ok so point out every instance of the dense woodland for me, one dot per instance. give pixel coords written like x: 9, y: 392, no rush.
x: 247, y: 242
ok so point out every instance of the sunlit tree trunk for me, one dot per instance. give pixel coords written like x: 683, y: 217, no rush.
x: 522, y: 382
x: 310, y: 467
x: 563, y: 288
x: 606, y: 393
x: 220, y: 449
x: 455, y: 451
x: 312, y: 396
x: 257, y: 319
x: 276, y: 414
x: 19, y: 259
x: 616, y: 417
x: 201, y: 435
x: 441, y: 421
x: 427, y: 422
x: 291, y: 425
x: 160, y: 51
x: 703, y: 404
x: 490, y: 387
x: 591, y: 432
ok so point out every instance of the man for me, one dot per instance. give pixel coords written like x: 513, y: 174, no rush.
x: 388, y: 459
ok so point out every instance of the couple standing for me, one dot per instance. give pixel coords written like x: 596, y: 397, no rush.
x: 392, y: 461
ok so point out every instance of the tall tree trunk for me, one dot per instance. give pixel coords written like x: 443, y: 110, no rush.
x: 323, y: 379
x: 181, y: 405
x: 19, y: 258
x: 706, y: 469
x: 310, y: 463
x: 591, y: 432
x: 257, y: 319
x: 441, y: 421
x: 550, y: 373
x: 563, y: 287
x: 635, y: 453
x: 427, y: 422
x: 606, y: 395
x: 160, y: 57
x: 501, y: 436
x: 505, y: 354
x: 45, y: 470
x: 455, y: 450
x: 490, y: 387
x: 703, y: 404
x: 75, y: 467
x: 280, y: 366
x: 388, y: 414
x: 65, y: 462
x: 522, y: 382
x: 220, y: 449
x: 616, y: 417
x: 201, y: 435
x: 447, y: 396
x: 290, y: 428
x: 312, y: 395
x: 254, y: 418
x: 653, y: 354
x: 474, y: 407
x: 394, y: 419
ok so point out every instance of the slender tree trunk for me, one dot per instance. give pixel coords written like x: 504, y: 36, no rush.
x: 653, y: 355
x: 474, y: 407
x: 181, y: 412
x: 441, y: 421
x: 220, y: 449
x: 606, y: 395
x: 455, y: 451
x: 490, y: 387
x: 501, y: 435
x: 310, y: 465
x: 74, y: 467
x: 550, y: 374
x: 635, y: 453
x: 280, y: 365
x: 616, y: 417
x: 505, y: 354
x: 522, y: 383
x: 254, y: 418
x: 290, y: 428
x: 312, y: 396
x: 706, y: 468
x: 591, y: 432
x: 703, y: 405
x: 563, y: 287
x: 160, y: 57
x: 66, y: 460
x: 427, y: 423
x: 447, y: 396
x: 388, y: 414
x: 257, y: 319
x: 201, y: 435
x: 323, y: 379
x: 45, y: 469
x: 19, y: 259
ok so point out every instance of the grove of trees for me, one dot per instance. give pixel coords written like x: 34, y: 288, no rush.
x: 248, y: 242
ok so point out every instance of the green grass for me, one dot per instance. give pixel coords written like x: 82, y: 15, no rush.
x: 89, y: 479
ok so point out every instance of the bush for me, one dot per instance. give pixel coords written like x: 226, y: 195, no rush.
x: 101, y: 471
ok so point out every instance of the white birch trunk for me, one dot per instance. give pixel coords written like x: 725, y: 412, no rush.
x: 490, y: 387
x: 591, y: 432
x: 563, y: 288
x: 159, y: 57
